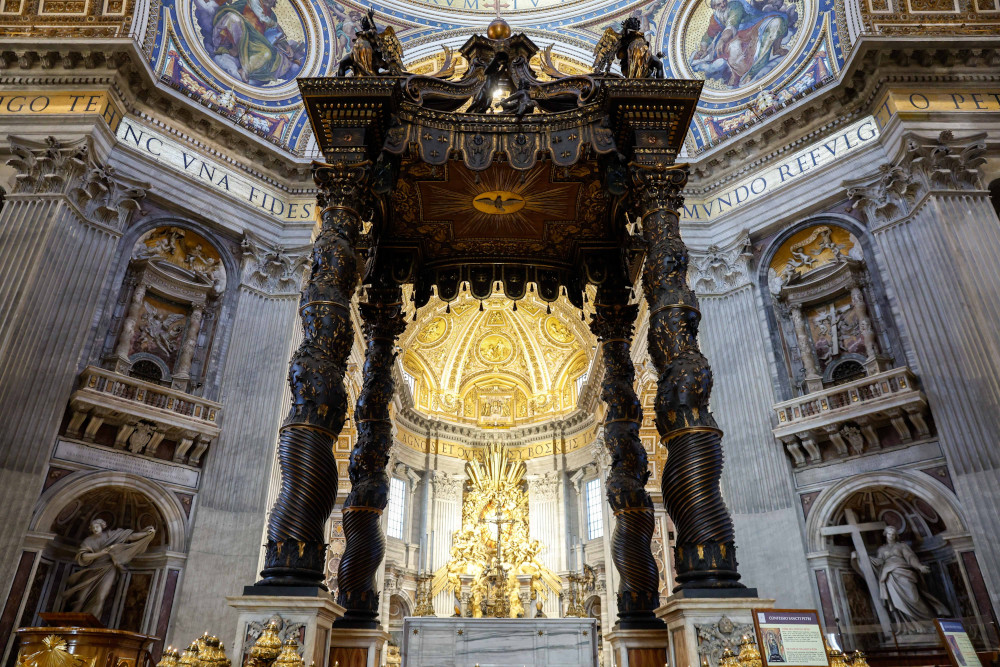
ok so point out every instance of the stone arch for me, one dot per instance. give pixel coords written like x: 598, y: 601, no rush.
x: 108, y: 327
x: 55, y: 499
x: 140, y: 594
x: 930, y: 521
x: 921, y: 485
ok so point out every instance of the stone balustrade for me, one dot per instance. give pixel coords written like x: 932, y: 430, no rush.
x: 846, y: 420
x: 143, y: 415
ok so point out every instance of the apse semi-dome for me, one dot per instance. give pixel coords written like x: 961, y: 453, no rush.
x: 496, y: 367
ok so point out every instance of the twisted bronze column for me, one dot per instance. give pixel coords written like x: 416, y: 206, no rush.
x: 296, y: 546
x: 382, y: 320
x: 705, y: 555
x: 631, y: 544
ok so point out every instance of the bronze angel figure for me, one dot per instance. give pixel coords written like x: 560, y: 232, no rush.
x: 373, y: 52
x: 630, y: 48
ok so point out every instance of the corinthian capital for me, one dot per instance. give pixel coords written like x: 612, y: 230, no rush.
x: 925, y: 165
x: 658, y: 188
x: 720, y: 270
x: 103, y: 196
x: 51, y: 166
x: 276, y: 271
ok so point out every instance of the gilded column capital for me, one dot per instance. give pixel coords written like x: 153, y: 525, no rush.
x: 273, y: 270
x: 924, y: 165
x: 720, y: 270
x: 658, y: 187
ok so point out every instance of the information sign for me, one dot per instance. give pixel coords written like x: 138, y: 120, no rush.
x: 790, y: 637
x: 956, y: 642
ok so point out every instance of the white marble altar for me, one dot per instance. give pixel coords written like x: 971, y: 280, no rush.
x: 499, y: 642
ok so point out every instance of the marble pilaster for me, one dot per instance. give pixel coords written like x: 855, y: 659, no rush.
x: 939, y: 237
x: 232, y: 503
x: 59, y: 229
x: 756, y: 480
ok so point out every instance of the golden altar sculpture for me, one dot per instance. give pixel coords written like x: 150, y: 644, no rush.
x: 494, y: 545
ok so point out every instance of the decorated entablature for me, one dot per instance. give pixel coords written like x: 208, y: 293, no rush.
x: 498, y: 180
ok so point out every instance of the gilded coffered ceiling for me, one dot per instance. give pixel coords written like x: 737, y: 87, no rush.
x: 496, y: 367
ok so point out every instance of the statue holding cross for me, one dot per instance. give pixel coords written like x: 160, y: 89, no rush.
x: 892, y: 577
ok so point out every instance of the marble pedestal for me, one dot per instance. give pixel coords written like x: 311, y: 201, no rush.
x: 684, y: 616
x: 308, y: 619
x: 357, y: 647
x: 639, y: 648
x: 499, y: 642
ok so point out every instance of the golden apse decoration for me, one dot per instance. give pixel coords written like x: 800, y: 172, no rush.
x: 496, y: 367
x: 493, y: 546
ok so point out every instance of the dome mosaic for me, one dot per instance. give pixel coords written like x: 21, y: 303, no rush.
x: 241, y: 57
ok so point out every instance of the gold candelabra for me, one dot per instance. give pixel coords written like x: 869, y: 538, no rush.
x: 749, y: 654
x: 424, y: 607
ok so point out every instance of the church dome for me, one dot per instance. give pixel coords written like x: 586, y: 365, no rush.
x: 497, y: 367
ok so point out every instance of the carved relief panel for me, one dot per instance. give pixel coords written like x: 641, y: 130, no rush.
x: 167, y: 308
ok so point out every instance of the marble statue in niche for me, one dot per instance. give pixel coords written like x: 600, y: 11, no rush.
x: 103, y: 557
x: 910, y: 606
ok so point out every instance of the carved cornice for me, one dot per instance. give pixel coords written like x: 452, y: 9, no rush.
x: 875, y: 64
x: 275, y: 271
x: 925, y: 165
x: 120, y: 64
x: 718, y: 271
x: 102, y: 196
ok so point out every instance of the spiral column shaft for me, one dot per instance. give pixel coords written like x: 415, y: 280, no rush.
x: 296, y: 545
x: 382, y: 320
x: 705, y: 555
x: 631, y: 543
